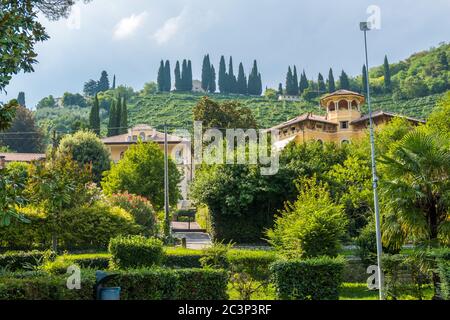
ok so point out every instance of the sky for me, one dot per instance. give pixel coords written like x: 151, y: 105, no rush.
x: 128, y: 38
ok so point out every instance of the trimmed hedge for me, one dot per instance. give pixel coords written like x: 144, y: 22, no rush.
x: 311, y: 279
x: 20, y: 260
x: 137, y: 284
x: 90, y: 261
x: 182, y: 258
x: 135, y: 252
x: 255, y: 263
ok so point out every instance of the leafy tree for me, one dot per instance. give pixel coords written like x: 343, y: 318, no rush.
x: 23, y: 134
x: 387, y: 75
x: 364, y: 79
x: 212, y: 83
x: 149, y: 89
x: 242, y: 81
x: 331, y: 84
x: 47, y: 102
x: 94, y: 117
x: 178, y: 82
x: 167, y: 78
x: 73, y: 99
x: 312, y: 226
x: 141, y: 172
x: 11, y: 186
x: 344, y: 82
x: 321, y: 84
x: 86, y: 148
x: 90, y: 88
x: 21, y: 99
x: 206, y: 73
x: 228, y: 114
x: 223, y: 76
x: 103, y: 83
x: 416, y: 188
x: 161, y: 77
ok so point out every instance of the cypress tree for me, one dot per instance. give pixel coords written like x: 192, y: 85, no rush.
x: 304, y: 84
x: 212, y: 80
x: 124, y: 117
x: 321, y: 83
x: 206, y: 73
x: 331, y: 84
x: 241, y: 80
x: 118, y: 116
x: 167, y: 78
x: 94, y: 117
x: 259, y: 85
x: 21, y: 99
x: 114, y: 83
x: 289, y: 82
x: 295, y: 84
x: 387, y: 75
x: 232, y: 82
x: 344, y: 83
x: 189, y: 77
x: 112, y: 119
x: 364, y: 79
x: 160, y: 79
x: 280, y: 89
x: 254, y: 81
x: 103, y: 83
x: 184, y: 80
x: 178, y: 84
x: 223, y: 76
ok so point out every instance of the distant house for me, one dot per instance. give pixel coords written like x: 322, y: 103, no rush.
x: 342, y: 123
x: 179, y: 149
x: 285, y: 97
x: 197, y: 86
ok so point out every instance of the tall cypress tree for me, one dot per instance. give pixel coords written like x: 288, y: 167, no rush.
x: 103, y: 83
x: 289, y: 82
x: 280, y: 89
x: 364, y: 79
x: 321, y: 83
x: 259, y: 88
x: 254, y: 81
x: 232, y: 82
x: 124, y: 117
x: 206, y: 73
x: 112, y: 119
x: 223, y: 76
x: 189, y: 76
x: 177, y: 72
x: 94, y: 117
x: 21, y: 99
x: 387, y: 75
x: 212, y: 80
x: 295, y: 84
x: 184, y: 72
x: 167, y: 77
x: 161, y: 77
x: 331, y: 84
x: 304, y: 84
x: 114, y: 83
x: 241, y: 80
x: 344, y: 83
x: 118, y: 116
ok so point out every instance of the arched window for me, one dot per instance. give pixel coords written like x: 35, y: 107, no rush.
x: 343, y: 105
x: 142, y: 136
x: 354, y: 105
x: 331, y: 106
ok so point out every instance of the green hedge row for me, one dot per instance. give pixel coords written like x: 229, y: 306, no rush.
x: 135, y: 252
x: 138, y: 284
x: 20, y: 260
x: 312, y: 279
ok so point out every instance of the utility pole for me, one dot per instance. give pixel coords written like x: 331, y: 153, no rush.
x: 365, y: 26
x: 166, y: 186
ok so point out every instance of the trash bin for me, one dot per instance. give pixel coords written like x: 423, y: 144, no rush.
x: 105, y: 293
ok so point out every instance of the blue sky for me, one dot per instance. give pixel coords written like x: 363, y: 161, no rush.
x: 129, y: 38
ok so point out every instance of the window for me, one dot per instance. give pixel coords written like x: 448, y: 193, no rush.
x: 293, y: 129
x: 142, y: 136
x: 344, y: 124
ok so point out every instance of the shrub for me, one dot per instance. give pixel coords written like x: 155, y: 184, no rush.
x: 216, y: 256
x: 140, y: 208
x: 182, y: 258
x: 135, y: 251
x: 312, y: 226
x: 312, y: 279
x: 255, y: 263
x: 87, y: 261
x: 201, y: 284
x: 20, y: 260
x: 444, y: 275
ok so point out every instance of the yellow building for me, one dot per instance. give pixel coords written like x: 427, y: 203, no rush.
x: 179, y: 149
x: 342, y: 123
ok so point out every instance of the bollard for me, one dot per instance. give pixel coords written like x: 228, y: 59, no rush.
x: 183, y: 242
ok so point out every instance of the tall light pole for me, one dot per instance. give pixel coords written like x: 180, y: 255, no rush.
x: 166, y: 186
x: 365, y: 26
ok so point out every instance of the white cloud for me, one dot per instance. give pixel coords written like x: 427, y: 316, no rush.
x: 169, y: 29
x: 127, y: 26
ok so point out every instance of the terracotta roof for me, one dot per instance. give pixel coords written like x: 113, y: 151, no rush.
x: 380, y: 113
x: 22, y: 157
x: 304, y: 117
x: 342, y: 93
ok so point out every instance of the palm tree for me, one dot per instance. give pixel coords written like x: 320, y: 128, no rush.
x: 416, y: 190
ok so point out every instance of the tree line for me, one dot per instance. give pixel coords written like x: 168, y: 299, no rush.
x: 227, y: 81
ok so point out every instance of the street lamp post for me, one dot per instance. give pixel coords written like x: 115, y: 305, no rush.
x: 365, y: 26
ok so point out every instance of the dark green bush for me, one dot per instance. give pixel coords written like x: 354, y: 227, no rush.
x: 255, y: 263
x: 216, y: 256
x: 135, y: 252
x: 201, y: 284
x: 20, y: 260
x: 99, y: 261
x: 311, y: 279
x: 444, y: 275
x: 182, y: 258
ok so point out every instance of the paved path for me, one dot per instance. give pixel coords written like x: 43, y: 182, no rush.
x: 185, y: 226
x: 195, y: 240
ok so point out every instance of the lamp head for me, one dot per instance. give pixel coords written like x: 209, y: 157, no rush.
x: 365, y: 26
